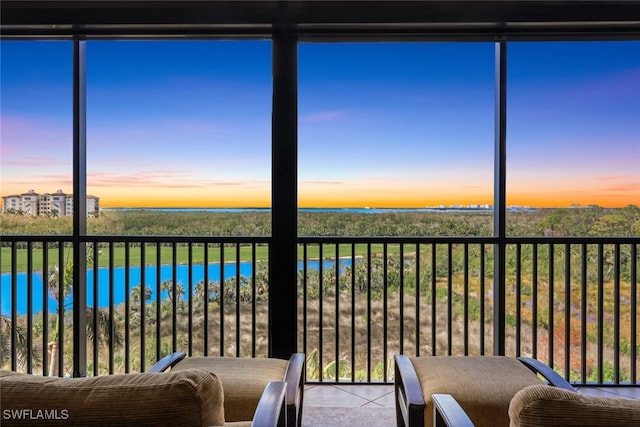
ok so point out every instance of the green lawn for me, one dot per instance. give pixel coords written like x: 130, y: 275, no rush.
x: 182, y: 255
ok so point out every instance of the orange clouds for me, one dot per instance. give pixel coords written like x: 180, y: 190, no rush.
x: 177, y: 189
x: 562, y: 188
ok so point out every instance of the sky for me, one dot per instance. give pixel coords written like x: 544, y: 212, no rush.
x: 188, y: 123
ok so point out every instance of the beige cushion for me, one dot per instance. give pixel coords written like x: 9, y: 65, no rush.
x: 189, y: 398
x: 543, y: 406
x: 482, y: 385
x: 243, y: 380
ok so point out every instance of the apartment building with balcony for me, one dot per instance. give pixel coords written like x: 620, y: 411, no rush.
x: 47, y: 204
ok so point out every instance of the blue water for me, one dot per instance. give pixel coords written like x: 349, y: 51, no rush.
x: 119, y: 283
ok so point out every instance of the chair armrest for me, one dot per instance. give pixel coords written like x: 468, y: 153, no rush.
x: 549, y: 374
x: 295, y: 377
x: 167, y: 362
x: 447, y: 412
x: 410, y: 403
x: 271, y: 410
x: 543, y: 405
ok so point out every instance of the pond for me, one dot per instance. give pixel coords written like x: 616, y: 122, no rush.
x: 135, y: 278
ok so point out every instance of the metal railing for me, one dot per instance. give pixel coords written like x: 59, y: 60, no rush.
x: 569, y: 302
x: 133, y: 326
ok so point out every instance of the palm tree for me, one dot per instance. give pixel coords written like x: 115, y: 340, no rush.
x: 135, y: 296
x: 53, y: 284
x: 167, y: 286
x: 22, y: 347
x: 101, y: 330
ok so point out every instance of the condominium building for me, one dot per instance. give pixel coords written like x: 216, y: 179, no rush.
x: 47, y: 204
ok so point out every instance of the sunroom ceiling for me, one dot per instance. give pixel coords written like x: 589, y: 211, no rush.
x: 322, y: 20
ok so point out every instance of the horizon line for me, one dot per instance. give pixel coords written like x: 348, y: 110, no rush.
x: 360, y: 207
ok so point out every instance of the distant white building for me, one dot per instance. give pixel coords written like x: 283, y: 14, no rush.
x: 47, y: 204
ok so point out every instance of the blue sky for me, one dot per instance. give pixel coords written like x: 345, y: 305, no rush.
x: 188, y: 123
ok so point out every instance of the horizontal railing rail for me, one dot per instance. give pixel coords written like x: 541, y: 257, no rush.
x: 571, y: 302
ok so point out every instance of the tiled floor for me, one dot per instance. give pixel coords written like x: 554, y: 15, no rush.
x: 348, y: 405
x: 355, y: 405
x: 375, y: 396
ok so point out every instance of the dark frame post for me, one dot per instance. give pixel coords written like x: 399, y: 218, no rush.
x: 499, y: 194
x: 283, y: 331
x: 79, y: 209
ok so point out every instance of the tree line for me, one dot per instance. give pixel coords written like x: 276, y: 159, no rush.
x: 586, y: 221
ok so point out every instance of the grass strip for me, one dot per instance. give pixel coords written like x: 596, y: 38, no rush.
x: 182, y: 255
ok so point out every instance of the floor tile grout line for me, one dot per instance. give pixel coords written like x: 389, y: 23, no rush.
x: 309, y: 401
x: 367, y: 405
x: 382, y: 397
x: 362, y: 397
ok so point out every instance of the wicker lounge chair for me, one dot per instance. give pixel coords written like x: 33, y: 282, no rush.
x: 243, y: 380
x: 183, y: 398
x: 545, y: 406
x: 482, y: 385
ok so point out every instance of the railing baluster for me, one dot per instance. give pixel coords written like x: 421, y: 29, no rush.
x: 174, y: 297
x: 205, y: 338
x: 337, y: 313
x: 254, y: 298
x: 29, y: 342
x: 449, y: 299
x: 417, y: 290
x: 190, y: 299
x: 385, y: 302
x: 584, y: 313
x: 534, y: 301
x: 14, y: 306
x: 369, y: 369
x: 353, y: 312
x: 320, y: 312
x: 465, y: 327
x: 158, y: 300
x: 616, y: 314
x: 634, y: 313
x: 401, y: 291
x: 127, y: 307
x: 551, y: 303
x: 237, y: 300
x: 305, y: 305
x: 482, y: 298
x: 222, y: 300
x: 111, y: 325
x: 45, y: 306
x: 60, y: 331
x: 600, y: 312
x: 434, y: 295
x: 567, y: 311
x: 518, y: 291
x: 94, y: 319
x: 143, y: 291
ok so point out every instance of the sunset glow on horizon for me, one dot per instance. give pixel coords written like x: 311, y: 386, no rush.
x: 381, y: 125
